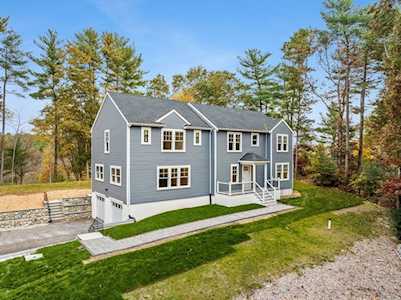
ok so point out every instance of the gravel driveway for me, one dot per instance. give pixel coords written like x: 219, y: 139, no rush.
x: 371, y: 270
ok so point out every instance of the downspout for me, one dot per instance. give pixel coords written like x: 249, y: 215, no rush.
x: 210, y: 162
x: 215, y: 160
x: 128, y: 177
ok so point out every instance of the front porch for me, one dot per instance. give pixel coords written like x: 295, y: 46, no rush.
x: 244, y: 181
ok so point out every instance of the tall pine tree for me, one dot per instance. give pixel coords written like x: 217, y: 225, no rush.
x: 14, y: 74
x: 49, y: 83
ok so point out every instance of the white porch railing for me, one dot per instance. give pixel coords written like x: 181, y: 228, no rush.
x: 274, y: 186
x: 235, y: 188
x: 260, y: 192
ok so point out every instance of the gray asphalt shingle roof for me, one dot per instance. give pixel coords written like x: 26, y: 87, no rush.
x: 141, y: 109
x: 224, y: 117
x: 250, y: 156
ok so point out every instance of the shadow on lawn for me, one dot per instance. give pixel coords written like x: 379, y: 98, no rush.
x: 110, y: 278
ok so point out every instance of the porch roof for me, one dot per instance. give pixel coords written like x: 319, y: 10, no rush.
x: 251, y: 157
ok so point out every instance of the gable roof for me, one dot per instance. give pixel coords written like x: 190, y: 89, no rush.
x: 228, y: 118
x: 148, y: 110
x: 151, y: 111
x: 250, y: 156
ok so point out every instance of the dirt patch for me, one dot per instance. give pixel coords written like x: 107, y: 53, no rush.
x: 35, y: 200
x: 365, y: 207
x: 371, y: 270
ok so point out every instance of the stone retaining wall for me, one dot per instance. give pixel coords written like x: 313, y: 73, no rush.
x: 73, y: 209
x: 26, y: 217
x: 77, y: 208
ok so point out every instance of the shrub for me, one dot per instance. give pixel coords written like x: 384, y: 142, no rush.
x: 397, y: 222
x: 391, y: 190
x: 369, y: 180
x: 323, y: 167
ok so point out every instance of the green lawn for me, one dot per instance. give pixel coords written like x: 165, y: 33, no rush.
x: 17, y: 189
x: 215, y: 264
x: 173, y: 218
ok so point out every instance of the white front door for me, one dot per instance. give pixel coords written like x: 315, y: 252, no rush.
x: 247, y: 172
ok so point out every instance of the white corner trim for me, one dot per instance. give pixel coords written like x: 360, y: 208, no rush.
x: 286, y: 124
x: 149, y: 142
x: 215, y: 160
x: 171, y: 112
x: 128, y: 168
x: 200, y: 137
x: 202, y: 116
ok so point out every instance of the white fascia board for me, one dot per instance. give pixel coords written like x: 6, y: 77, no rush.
x: 202, y: 116
x: 171, y: 112
x: 101, y: 106
x: 286, y: 124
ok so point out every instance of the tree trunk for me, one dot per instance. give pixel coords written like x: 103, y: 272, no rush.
x: 347, y: 117
x: 55, y: 164
x: 362, y: 113
x: 3, y: 128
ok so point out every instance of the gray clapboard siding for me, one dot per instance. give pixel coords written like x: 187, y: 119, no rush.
x: 109, y: 118
x: 225, y: 159
x: 282, y: 156
x: 146, y: 158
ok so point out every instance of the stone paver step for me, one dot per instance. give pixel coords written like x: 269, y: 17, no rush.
x: 103, y: 245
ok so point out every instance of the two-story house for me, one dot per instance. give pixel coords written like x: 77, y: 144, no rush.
x: 153, y: 155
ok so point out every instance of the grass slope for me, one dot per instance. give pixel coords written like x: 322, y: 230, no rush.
x: 216, y: 264
x: 173, y: 218
x: 19, y: 189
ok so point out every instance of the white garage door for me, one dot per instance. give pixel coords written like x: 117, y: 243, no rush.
x: 116, y: 212
x: 100, y: 207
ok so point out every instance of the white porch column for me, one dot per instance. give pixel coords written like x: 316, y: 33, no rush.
x: 254, y: 176
x: 265, y: 177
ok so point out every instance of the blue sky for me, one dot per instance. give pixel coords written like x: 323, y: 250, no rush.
x: 171, y: 35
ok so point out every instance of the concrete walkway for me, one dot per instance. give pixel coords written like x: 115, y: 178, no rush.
x: 102, y: 245
x: 17, y: 240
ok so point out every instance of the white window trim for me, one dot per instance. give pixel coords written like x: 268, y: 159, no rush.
x: 173, y: 140
x: 282, y: 138
x: 96, y: 178
x: 169, y: 187
x: 104, y: 141
x: 231, y: 173
x: 121, y: 175
x: 252, y: 135
x: 282, y: 169
x: 200, y: 137
x: 240, y: 144
x: 149, y: 142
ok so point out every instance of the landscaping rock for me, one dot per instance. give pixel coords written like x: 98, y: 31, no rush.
x: 370, y: 270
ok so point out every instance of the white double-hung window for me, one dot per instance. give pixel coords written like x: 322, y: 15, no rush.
x: 99, y: 172
x: 106, y: 141
x: 283, y: 171
x: 282, y: 142
x: 255, y: 139
x: 146, y: 135
x: 234, y: 141
x: 234, y: 173
x: 173, y: 140
x: 173, y: 177
x: 197, y: 137
x: 115, y: 175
